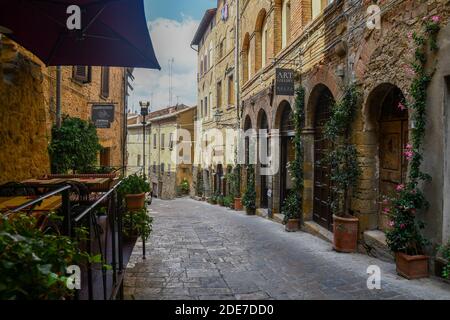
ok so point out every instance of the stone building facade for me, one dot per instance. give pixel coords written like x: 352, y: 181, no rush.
x: 171, y: 150
x: 28, y: 109
x: 329, y: 46
x: 216, y: 106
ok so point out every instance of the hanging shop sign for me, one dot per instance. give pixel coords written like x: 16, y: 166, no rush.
x: 284, y: 82
x: 103, y: 115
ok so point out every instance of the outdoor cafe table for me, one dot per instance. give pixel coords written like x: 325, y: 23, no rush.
x: 91, y: 183
x: 47, y: 205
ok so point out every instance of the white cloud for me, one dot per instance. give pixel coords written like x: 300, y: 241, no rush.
x: 171, y: 39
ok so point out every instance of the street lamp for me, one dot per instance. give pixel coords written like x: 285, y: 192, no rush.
x: 144, y: 112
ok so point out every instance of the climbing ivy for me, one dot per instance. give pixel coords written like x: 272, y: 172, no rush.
x: 292, y: 207
x: 405, y: 235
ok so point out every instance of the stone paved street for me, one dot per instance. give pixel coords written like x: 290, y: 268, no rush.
x: 199, y: 251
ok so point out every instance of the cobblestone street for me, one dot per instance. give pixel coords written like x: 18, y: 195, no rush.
x: 199, y: 251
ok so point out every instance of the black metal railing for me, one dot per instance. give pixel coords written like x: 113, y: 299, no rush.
x: 112, y: 235
x: 105, y: 240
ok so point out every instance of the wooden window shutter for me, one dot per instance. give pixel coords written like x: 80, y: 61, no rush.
x: 82, y: 74
x: 105, y: 82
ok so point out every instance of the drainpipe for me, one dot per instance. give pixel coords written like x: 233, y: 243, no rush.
x: 237, y: 86
x: 58, y: 96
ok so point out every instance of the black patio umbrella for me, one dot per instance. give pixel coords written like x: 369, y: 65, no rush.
x: 113, y: 32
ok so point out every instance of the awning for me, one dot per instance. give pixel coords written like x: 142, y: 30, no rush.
x: 113, y: 32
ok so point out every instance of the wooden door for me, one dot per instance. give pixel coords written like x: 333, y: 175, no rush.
x: 322, y: 213
x: 287, y: 156
x: 394, y: 131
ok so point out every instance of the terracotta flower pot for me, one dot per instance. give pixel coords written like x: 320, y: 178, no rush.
x: 293, y: 225
x: 238, y: 204
x: 412, y: 267
x: 135, y: 201
x: 345, y: 234
x: 250, y: 212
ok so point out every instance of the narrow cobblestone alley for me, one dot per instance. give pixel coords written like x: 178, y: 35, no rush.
x: 199, y: 251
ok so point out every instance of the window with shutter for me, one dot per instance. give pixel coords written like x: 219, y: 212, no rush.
x: 82, y: 74
x: 171, y: 142
x: 105, y: 82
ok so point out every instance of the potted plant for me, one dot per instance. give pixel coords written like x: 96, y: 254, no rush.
x: 292, y: 206
x: 249, y: 198
x: 291, y: 211
x: 133, y: 189
x: 220, y: 200
x: 404, y: 237
x: 443, y: 261
x: 138, y: 224
x: 213, y: 199
x: 228, y: 202
x: 234, y: 179
x: 345, y: 170
x: 184, y: 187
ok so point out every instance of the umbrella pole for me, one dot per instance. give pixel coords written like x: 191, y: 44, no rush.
x: 58, y: 96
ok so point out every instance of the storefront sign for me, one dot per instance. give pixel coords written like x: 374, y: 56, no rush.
x: 284, y: 84
x: 103, y: 116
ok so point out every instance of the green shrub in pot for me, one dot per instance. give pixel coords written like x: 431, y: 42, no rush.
x: 138, y: 223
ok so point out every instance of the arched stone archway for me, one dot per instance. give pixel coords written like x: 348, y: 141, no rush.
x: 387, y: 126
x: 282, y: 182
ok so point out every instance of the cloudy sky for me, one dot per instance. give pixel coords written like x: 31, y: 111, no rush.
x: 172, y: 24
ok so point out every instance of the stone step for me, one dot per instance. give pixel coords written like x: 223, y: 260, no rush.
x: 262, y: 212
x: 374, y: 244
x: 278, y: 217
x: 318, y: 231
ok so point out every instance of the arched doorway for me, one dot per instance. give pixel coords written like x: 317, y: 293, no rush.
x: 218, y: 180
x: 287, y: 151
x: 263, y: 134
x: 322, y: 213
x: 393, y: 138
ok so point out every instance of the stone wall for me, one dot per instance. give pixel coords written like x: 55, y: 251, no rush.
x: 23, y: 116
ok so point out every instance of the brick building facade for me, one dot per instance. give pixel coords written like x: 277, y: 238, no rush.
x: 216, y: 105
x: 329, y: 46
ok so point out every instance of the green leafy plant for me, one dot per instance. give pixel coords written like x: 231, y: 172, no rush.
x: 228, y: 201
x: 445, y: 252
x: 292, y: 206
x: 291, y: 209
x: 343, y: 156
x: 139, y: 223
x: 134, y: 184
x: 184, y: 187
x: 33, y: 263
x: 74, y: 146
x: 405, y: 233
x: 249, y: 198
x: 233, y: 178
x: 220, y: 200
x: 198, y: 185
